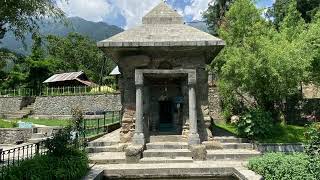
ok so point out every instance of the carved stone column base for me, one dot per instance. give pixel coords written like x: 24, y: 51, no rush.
x: 138, y: 139
x: 194, y: 139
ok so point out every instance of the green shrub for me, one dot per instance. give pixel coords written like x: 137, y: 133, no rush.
x: 256, y: 124
x: 71, y: 166
x: 62, y: 143
x: 312, y: 134
x: 278, y: 166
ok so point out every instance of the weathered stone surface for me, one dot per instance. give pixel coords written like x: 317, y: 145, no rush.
x: 62, y: 105
x: 199, y: 152
x: 14, y: 104
x: 13, y: 135
x: 212, y: 145
x: 133, y: 153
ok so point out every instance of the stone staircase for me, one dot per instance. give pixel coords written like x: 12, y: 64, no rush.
x: 23, y: 113
x: 107, y: 150
x: 233, y: 148
x: 166, y: 149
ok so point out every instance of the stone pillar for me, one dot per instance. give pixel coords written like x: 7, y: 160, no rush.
x: 193, y: 136
x: 138, y: 137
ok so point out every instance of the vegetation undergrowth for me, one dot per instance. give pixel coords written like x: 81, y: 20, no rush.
x: 298, y: 166
x: 283, y: 167
x: 64, y: 160
x: 8, y: 124
x: 281, y: 133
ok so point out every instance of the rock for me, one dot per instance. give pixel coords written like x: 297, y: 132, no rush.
x: 134, y: 153
x: 235, y: 119
x: 199, y: 152
x: 212, y: 145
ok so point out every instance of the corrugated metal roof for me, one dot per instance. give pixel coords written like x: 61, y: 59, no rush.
x: 64, y: 77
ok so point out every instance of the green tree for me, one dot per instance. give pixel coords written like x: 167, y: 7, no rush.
x: 312, y: 38
x: 307, y: 8
x: 259, y: 61
x: 214, y: 15
x: 40, y: 67
x: 77, y: 53
x: 23, y: 16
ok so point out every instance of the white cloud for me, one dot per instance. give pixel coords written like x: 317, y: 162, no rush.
x: 91, y: 10
x: 131, y: 10
x: 134, y: 10
x: 196, y: 8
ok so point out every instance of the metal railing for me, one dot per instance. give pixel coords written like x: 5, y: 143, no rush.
x: 17, y: 92
x: 98, y: 126
x: 59, y: 91
x: 14, y: 156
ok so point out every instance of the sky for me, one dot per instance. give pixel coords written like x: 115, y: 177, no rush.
x: 128, y: 13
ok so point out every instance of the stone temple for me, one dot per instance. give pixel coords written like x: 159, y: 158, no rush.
x: 163, y: 82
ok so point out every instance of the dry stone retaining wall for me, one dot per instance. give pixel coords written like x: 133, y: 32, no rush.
x: 10, y: 104
x: 62, y: 105
x: 13, y: 135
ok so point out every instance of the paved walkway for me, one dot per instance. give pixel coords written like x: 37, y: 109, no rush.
x: 114, y: 136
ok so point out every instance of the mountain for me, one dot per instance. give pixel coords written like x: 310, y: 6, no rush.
x: 95, y: 31
x: 201, y: 25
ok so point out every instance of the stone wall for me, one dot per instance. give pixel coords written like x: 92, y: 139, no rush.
x: 13, y: 135
x: 62, y: 105
x: 10, y: 104
x: 14, y: 104
x: 214, y: 99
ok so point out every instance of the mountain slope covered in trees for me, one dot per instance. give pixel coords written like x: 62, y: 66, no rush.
x: 95, y: 31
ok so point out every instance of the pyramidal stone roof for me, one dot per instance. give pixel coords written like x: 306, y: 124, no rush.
x: 161, y: 27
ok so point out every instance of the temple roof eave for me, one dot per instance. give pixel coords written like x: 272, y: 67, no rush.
x: 113, y: 44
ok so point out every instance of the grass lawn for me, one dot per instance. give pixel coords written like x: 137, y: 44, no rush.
x: 281, y: 133
x: 7, y: 124
x: 48, y: 122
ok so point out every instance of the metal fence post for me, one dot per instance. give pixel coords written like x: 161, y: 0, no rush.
x: 112, y: 117
x: 104, y: 121
x: 98, y: 125
x: 84, y: 128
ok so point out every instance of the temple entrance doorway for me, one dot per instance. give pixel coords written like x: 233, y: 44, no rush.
x: 166, y: 94
x: 166, y: 116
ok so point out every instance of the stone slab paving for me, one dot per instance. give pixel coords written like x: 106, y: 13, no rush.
x: 113, y: 136
x: 197, y: 168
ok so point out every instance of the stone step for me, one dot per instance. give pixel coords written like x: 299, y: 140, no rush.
x: 37, y: 135
x: 167, y: 153
x: 36, y: 140
x: 230, y: 139
x: 154, y: 160
x: 102, y: 143
x: 167, y: 138
x: 167, y: 145
x: 231, y: 154
x: 107, y: 158
x: 237, y: 145
x: 113, y: 148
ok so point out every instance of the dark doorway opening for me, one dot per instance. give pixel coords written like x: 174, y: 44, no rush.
x: 166, y: 116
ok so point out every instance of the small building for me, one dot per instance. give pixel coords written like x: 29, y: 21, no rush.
x: 69, y: 80
x: 163, y: 82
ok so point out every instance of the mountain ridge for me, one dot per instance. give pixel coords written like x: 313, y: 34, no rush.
x: 96, y: 31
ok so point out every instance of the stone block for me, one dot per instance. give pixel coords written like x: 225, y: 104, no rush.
x: 212, y: 145
x: 199, y: 152
x: 134, y: 153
